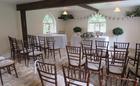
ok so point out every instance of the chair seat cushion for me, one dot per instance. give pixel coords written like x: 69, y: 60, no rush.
x: 35, y: 53
x: 115, y: 69
x: 94, y: 66
x: 76, y: 62
x: 4, y: 63
x: 133, y: 68
x: 2, y: 58
x: 81, y: 83
x: 60, y: 81
x: 25, y: 51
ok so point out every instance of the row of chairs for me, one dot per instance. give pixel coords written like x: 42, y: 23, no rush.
x: 34, y: 48
x: 74, y: 76
x: 47, y: 44
x: 84, y: 59
x: 131, y: 62
x: 95, y: 59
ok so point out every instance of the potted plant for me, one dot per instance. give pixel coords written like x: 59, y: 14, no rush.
x: 77, y: 30
x: 117, y: 31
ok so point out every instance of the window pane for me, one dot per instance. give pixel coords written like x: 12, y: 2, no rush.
x: 49, y: 25
x: 97, y: 23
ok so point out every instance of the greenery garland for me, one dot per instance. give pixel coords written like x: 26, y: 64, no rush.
x: 77, y: 29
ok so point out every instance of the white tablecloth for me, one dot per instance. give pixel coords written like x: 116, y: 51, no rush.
x: 60, y: 39
x: 76, y: 40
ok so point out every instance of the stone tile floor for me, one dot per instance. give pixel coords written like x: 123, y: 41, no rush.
x: 27, y: 76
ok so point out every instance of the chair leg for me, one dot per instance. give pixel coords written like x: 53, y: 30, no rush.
x: 45, y: 52
x: 9, y: 70
x: 59, y: 53
x: 15, y: 70
x: 54, y: 54
x: 48, y: 53
x: 1, y: 77
x: 42, y: 58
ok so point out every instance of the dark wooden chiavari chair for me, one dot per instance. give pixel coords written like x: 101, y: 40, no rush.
x: 76, y: 76
x: 74, y: 56
x: 24, y: 51
x: 94, y: 61
x: 43, y: 44
x: 135, y: 58
x: 31, y: 48
x: 10, y: 42
x: 13, y: 47
x: 86, y: 44
x: 47, y: 72
x: 52, y: 49
x: 35, y: 53
x: 102, y: 45
x: 118, y: 63
x: 9, y: 65
x: 121, y: 46
x: 108, y: 80
x: 35, y: 42
x: 135, y: 69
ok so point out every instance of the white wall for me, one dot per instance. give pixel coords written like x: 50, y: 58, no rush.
x: 131, y: 26
x: 8, y: 25
x: 35, y: 20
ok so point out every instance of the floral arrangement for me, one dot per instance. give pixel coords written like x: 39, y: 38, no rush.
x: 87, y: 35
x: 98, y: 33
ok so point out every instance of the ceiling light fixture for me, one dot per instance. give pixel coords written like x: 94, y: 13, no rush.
x: 65, y: 16
x: 117, y: 9
x: 65, y: 13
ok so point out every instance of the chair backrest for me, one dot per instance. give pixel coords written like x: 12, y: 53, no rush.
x: 86, y: 43
x: 50, y: 42
x: 94, y: 57
x: 29, y: 39
x: 123, y: 46
x: 118, y: 81
x: 35, y: 41
x: 101, y: 44
x: 137, y: 71
x: 47, y: 72
x: 10, y: 41
x: 13, y: 44
x: 137, y: 50
x: 74, y: 54
x: 50, y: 39
x: 76, y: 76
x: 120, y: 55
x: 42, y: 41
x: 19, y: 44
x: 118, y: 59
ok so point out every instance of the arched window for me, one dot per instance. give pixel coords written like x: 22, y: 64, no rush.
x: 49, y: 24
x: 97, y: 23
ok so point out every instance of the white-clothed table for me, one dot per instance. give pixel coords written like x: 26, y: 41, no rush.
x: 76, y: 40
x: 60, y: 39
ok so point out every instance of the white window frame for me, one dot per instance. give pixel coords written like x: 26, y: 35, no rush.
x: 52, y: 27
x: 94, y: 28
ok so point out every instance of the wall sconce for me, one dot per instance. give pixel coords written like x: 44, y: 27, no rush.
x: 65, y: 16
x: 117, y: 9
x: 65, y: 13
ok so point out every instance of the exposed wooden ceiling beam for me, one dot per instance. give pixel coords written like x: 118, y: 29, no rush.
x: 89, y: 7
x: 57, y: 3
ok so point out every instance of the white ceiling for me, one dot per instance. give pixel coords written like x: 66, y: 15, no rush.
x: 127, y: 3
